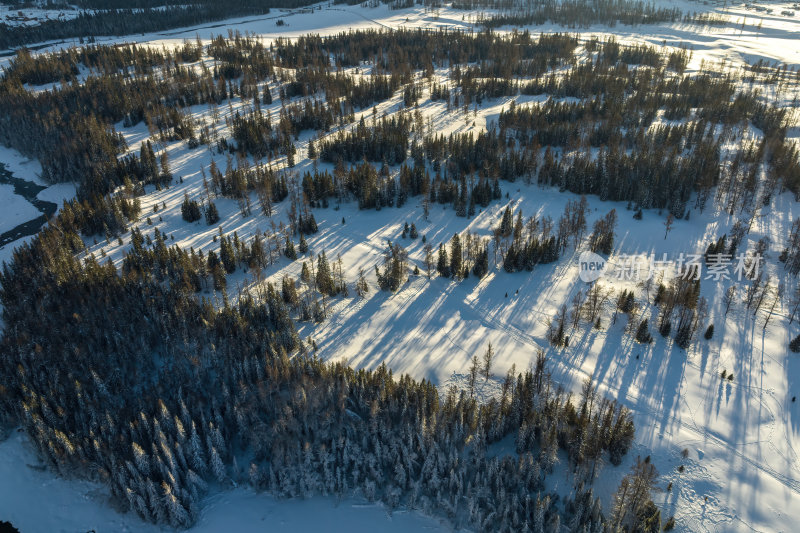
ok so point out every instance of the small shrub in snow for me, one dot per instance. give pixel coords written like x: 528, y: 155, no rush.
x: 795, y: 345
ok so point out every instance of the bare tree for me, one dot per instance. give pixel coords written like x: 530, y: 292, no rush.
x: 778, y: 296
x: 428, y: 259
x: 577, y: 303
x: 596, y: 298
x: 668, y: 225
x: 727, y: 300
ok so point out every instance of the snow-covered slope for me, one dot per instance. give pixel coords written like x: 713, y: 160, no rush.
x: 736, y: 440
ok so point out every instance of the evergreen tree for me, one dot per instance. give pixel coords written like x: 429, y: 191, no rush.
x: 394, y: 271
x: 227, y: 254
x: 507, y: 223
x: 288, y: 249
x: 456, y: 257
x: 442, y: 264
x: 212, y: 216
x: 324, y: 279
x: 481, y: 267
x: 643, y: 333
x: 289, y: 291
x: 190, y: 209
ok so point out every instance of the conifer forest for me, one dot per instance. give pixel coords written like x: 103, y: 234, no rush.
x: 490, y: 265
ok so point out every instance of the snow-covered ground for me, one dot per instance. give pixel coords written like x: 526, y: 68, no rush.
x: 748, y: 35
x: 34, y: 16
x: 15, y: 209
x: 740, y: 438
x: 741, y: 472
x: 20, y: 166
x: 70, y: 506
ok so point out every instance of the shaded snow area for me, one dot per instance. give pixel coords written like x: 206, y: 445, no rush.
x: 35, y: 501
x: 726, y: 448
x: 15, y: 209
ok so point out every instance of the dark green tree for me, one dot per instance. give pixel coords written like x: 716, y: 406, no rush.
x: 212, y: 215
x: 288, y: 249
x: 442, y: 264
x: 456, y: 257
x: 190, y: 209
x: 325, y: 283
x: 481, y: 267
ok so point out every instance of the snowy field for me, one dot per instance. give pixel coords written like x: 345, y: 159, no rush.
x: 15, y: 208
x: 33, y: 16
x: 737, y: 441
x: 752, y: 31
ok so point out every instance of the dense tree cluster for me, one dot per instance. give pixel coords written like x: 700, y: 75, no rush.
x: 131, y: 375
x: 524, y: 244
x: 203, y: 395
x: 386, y: 140
x: 571, y: 12
x: 101, y: 17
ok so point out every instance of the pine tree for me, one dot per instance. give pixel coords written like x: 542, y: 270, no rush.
x: 288, y: 249
x: 481, y: 267
x: 302, y: 247
x: 643, y: 333
x: 217, y: 466
x: 289, y: 291
x: 442, y: 265
x: 394, y: 271
x: 325, y: 283
x: 227, y: 255
x: 190, y: 209
x: 212, y: 215
x: 709, y: 332
x: 166, y: 175
x: 507, y: 224
x: 456, y: 257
